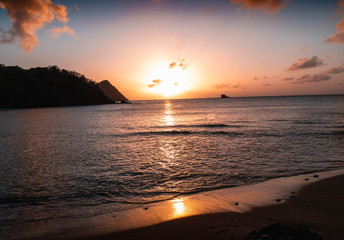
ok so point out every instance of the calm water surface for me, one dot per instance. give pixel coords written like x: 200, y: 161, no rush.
x: 84, y: 161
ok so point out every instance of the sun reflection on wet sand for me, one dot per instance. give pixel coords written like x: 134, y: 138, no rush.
x: 179, y: 207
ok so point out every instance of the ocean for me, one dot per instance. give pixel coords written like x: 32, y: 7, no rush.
x: 79, y: 162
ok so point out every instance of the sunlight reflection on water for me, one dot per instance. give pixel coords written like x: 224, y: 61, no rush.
x: 168, y: 118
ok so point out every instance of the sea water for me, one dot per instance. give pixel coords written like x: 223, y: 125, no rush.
x: 79, y: 162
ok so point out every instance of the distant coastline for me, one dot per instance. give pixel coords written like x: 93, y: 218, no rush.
x: 52, y: 87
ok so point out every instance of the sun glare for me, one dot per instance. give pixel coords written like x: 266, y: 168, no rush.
x: 169, y: 79
x: 179, y: 207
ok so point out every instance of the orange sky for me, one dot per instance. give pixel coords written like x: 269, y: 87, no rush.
x: 238, y: 48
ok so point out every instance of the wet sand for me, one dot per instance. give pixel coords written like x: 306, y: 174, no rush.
x: 305, y: 204
x: 317, y: 207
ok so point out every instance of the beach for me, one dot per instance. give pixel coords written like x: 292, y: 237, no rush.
x: 308, y: 206
x: 317, y: 207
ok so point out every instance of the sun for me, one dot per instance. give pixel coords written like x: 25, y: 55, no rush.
x: 169, y: 79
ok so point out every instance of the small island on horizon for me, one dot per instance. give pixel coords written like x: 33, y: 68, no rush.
x: 53, y: 87
x: 224, y: 96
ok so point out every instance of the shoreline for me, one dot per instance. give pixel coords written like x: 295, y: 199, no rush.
x: 191, y: 211
x: 316, y: 208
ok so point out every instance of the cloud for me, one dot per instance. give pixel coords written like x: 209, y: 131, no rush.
x: 179, y: 63
x: 303, y: 48
x: 288, y: 79
x: 228, y: 86
x: 156, y: 82
x: 28, y: 16
x: 307, y: 78
x: 222, y: 86
x: 257, y: 78
x: 56, y: 32
x: 339, y: 36
x: 271, y: 6
x: 266, y: 85
x: 335, y: 70
x: 304, y: 63
x: 183, y: 66
x: 172, y: 65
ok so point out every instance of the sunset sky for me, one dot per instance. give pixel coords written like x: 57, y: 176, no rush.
x: 183, y: 49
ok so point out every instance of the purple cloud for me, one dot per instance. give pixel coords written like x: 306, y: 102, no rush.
x: 304, y: 63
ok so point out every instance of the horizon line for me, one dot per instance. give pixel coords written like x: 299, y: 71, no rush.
x: 300, y: 95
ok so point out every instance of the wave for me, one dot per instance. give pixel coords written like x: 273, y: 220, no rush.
x: 278, y: 120
x: 216, y: 125
x: 338, y: 134
x: 310, y: 122
x: 298, y: 121
x: 181, y: 132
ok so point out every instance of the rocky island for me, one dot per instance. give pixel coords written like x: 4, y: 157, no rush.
x: 52, y: 87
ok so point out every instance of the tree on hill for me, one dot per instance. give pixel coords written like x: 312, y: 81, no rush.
x: 47, y: 87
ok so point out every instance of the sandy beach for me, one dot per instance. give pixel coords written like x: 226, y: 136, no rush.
x: 314, y: 212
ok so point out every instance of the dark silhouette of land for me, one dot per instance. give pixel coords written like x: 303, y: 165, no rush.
x: 112, y: 92
x: 51, y: 87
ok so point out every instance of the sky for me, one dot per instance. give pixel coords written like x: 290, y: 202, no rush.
x: 158, y: 49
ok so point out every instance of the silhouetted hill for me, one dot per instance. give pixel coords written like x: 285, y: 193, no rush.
x: 47, y: 87
x: 111, y: 92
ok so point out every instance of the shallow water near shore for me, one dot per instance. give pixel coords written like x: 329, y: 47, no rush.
x: 81, y: 162
x: 240, y: 199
